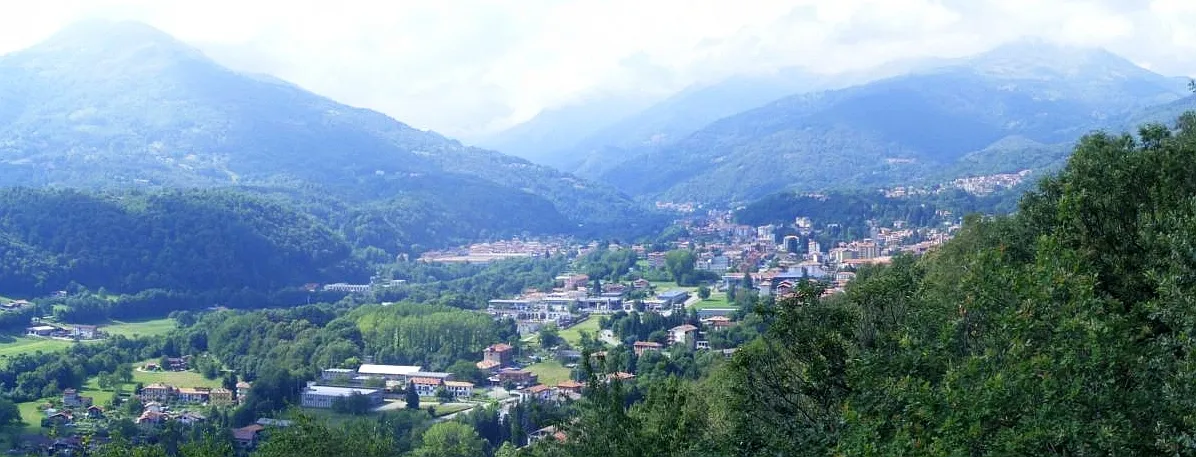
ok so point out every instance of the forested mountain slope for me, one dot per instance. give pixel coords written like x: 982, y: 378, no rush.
x: 104, y: 104
x: 904, y: 129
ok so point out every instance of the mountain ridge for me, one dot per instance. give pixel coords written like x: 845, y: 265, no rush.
x: 898, y: 130
x: 134, y: 107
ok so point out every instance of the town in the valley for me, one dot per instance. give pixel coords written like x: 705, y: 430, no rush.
x: 686, y: 297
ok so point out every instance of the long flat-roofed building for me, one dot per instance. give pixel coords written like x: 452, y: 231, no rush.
x: 322, y: 396
x: 391, y: 372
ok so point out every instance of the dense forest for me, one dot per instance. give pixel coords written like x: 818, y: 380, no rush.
x: 1066, y: 329
x: 183, y: 241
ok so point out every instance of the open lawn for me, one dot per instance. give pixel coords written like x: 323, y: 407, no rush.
x: 549, y: 372
x: 140, y: 328
x: 13, y: 345
x: 31, y: 416
x: 716, y: 300
x: 174, y: 378
x: 573, y: 334
x: 667, y: 286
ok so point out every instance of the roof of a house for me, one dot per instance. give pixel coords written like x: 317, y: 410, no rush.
x: 248, y: 432
x: 430, y: 381
x: 647, y: 344
x: 673, y: 293
x: 684, y: 328
x: 536, y: 389
x: 487, y: 364
x: 500, y: 347
x: 570, y: 384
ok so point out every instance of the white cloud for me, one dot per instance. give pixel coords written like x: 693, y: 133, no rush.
x: 464, y: 67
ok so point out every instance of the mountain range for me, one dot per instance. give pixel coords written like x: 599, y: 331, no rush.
x: 121, y: 104
x: 1014, y: 107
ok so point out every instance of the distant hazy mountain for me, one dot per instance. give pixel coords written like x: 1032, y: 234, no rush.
x: 543, y: 138
x: 122, y: 104
x: 903, y: 129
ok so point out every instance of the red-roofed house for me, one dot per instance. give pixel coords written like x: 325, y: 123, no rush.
x: 426, y: 387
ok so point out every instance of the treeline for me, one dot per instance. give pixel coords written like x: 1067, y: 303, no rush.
x: 1066, y: 329
x: 430, y: 335
x: 471, y: 286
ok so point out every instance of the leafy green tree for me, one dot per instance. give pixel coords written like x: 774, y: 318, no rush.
x: 680, y: 264
x: 450, y: 439
x: 443, y: 395
x: 105, y: 381
x: 549, y: 336
x: 703, y: 292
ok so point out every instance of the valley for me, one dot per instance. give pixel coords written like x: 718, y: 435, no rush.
x: 981, y: 255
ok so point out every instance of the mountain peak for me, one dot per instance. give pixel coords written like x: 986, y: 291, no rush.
x: 1035, y: 58
x: 105, y: 45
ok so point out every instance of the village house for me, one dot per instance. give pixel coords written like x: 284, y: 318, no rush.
x: 41, y: 330
x: 500, y: 353
x: 247, y: 437
x: 177, y: 363
x: 157, y: 392
x: 459, y: 389
x: 85, y: 332
x: 571, y: 386
x: 549, y: 432
x: 191, y: 418
x: 537, y: 392
x: 151, y: 418
x: 220, y: 396
x: 718, y: 322
x: 683, y: 334
x: 243, y: 391
x: 95, y: 412
x: 518, y: 377
x: 426, y: 387
x: 640, y: 347
x: 193, y: 395
x: 72, y: 399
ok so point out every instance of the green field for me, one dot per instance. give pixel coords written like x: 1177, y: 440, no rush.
x: 716, y: 300
x: 573, y: 334
x: 14, y: 345
x: 550, y: 372
x: 667, y: 286
x: 174, y: 378
x: 141, y: 328
x: 31, y: 416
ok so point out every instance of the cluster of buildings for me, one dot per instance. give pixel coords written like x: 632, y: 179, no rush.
x: 975, y: 185
x: 80, y: 332
x: 377, y: 382
x: 166, y: 393
x: 482, y: 253
x: 566, y: 306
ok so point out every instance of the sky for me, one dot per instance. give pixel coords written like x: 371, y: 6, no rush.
x: 469, y: 68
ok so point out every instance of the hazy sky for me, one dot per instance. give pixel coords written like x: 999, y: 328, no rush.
x: 467, y: 67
